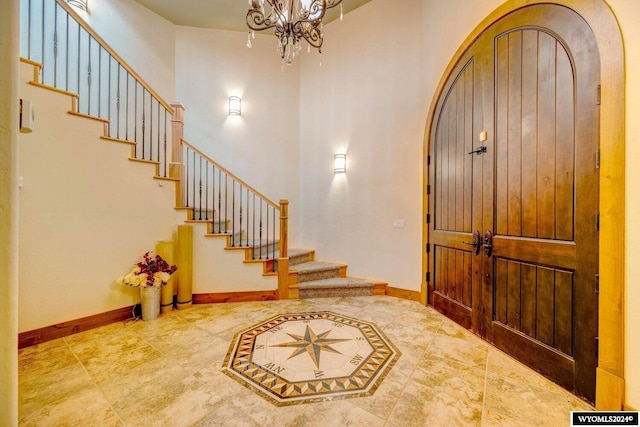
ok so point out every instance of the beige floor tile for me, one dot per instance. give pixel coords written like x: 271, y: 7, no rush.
x: 168, y: 373
x: 510, y: 402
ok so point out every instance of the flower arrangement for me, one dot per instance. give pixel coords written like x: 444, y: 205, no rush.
x: 152, y: 271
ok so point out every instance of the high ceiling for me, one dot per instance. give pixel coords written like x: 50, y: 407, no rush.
x: 220, y: 14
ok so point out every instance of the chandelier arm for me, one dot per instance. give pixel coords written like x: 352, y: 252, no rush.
x: 310, y: 31
x: 257, y: 21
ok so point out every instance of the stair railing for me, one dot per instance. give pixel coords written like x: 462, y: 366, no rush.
x: 231, y: 206
x: 77, y: 60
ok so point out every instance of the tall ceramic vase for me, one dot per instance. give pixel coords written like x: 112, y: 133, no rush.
x: 150, y: 301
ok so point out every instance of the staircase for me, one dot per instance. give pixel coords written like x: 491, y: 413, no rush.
x: 135, y: 115
x: 313, y: 279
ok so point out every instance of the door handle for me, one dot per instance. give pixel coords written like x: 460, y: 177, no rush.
x: 476, y: 243
x: 478, y: 151
x: 487, y: 244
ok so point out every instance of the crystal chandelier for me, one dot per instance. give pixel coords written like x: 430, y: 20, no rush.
x: 294, y: 20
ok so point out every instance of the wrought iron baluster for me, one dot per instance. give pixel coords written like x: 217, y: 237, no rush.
x: 233, y: 214
x: 109, y: 100
x: 220, y: 203
x: 42, y: 47
x: 135, y: 115
x: 126, y: 120
x: 200, y: 188
x: 186, y: 177
x: 144, y: 90
x: 151, y: 126
x: 165, y: 143
x: 206, y: 191
x: 158, y: 132
x: 66, y: 78
x: 99, y: 80
x: 226, y: 205
x: 89, y: 76
x: 241, y: 215
x: 55, y: 44
x: 29, y: 28
x: 247, y: 215
x: 194, y: 187
x: 118, y: 103
x: 78, y: 68
x: 260, y: 231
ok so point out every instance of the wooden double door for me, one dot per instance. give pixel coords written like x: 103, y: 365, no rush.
x: 513, y: 193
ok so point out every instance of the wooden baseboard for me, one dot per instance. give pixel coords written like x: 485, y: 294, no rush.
x: 60, y: 330
x: 628, y: 408
x: 403, y: 294
x: 235, y: 297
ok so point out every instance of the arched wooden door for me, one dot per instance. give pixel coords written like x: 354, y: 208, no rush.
x: 514, y: 194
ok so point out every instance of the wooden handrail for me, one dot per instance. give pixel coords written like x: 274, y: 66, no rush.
x: 113, y: 53
x: 223, y: 169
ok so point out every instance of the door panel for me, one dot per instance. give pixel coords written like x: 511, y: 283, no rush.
x: 530, y: 82
x: 452, y: 291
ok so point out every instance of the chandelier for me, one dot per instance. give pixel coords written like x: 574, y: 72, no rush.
x: 294, y: 20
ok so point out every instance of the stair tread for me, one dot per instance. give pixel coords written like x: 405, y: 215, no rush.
x: 337, y: 282
x: 314, y: 266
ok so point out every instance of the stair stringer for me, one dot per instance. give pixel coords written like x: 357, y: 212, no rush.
x: 86, y: 213
x: 217, y: 270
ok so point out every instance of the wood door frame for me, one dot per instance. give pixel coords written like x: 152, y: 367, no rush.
x: 610, y: 371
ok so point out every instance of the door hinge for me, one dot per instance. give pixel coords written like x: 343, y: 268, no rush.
x: 598, y: 94
x: 427, y: 277
x: 428, y: 219
x: 598, y: 221
x: 597, y: 346
x: 428, y: 160
x: 428, y: 189
x: 428, y: 248
x: 597, y: 284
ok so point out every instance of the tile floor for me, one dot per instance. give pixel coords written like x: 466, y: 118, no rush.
x: 168, y: 373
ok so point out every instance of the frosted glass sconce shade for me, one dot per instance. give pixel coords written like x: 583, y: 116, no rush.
x: 235, y: 106
x: 80, y: 4
x: 339, y: 163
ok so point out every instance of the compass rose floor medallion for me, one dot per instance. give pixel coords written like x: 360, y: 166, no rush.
x: 310, y: 357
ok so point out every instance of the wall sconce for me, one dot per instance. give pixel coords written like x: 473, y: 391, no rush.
x: 235, y: 106
x: 80, y: 4
x: 339, y: 163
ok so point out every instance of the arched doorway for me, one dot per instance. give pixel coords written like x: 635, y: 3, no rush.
x: 486, y: 312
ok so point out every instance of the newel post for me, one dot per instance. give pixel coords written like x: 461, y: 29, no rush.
x: 283, y: 259
x: 175, y: 166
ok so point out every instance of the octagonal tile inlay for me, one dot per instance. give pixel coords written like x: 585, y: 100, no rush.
x: 307, y: 357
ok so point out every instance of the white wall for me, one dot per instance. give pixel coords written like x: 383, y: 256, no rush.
x: 87, y: 214
x: 628, y: 13
x: 145, y: 40
x: 366, y: 100
x: 261, y: 146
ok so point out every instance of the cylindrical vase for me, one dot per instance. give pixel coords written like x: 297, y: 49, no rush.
x: 150, y: 301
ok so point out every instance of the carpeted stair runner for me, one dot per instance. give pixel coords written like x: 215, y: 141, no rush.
x: 315, y: 279
x: 318, y: 279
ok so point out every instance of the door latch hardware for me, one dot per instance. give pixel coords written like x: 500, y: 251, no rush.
x: 488, y: 243
x: 479, y: 150
x: 475, y: 242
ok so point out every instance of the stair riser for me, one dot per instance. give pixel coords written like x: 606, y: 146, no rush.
x: 335, y: 292
x: 299, y: 259
x: 318, y: 275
